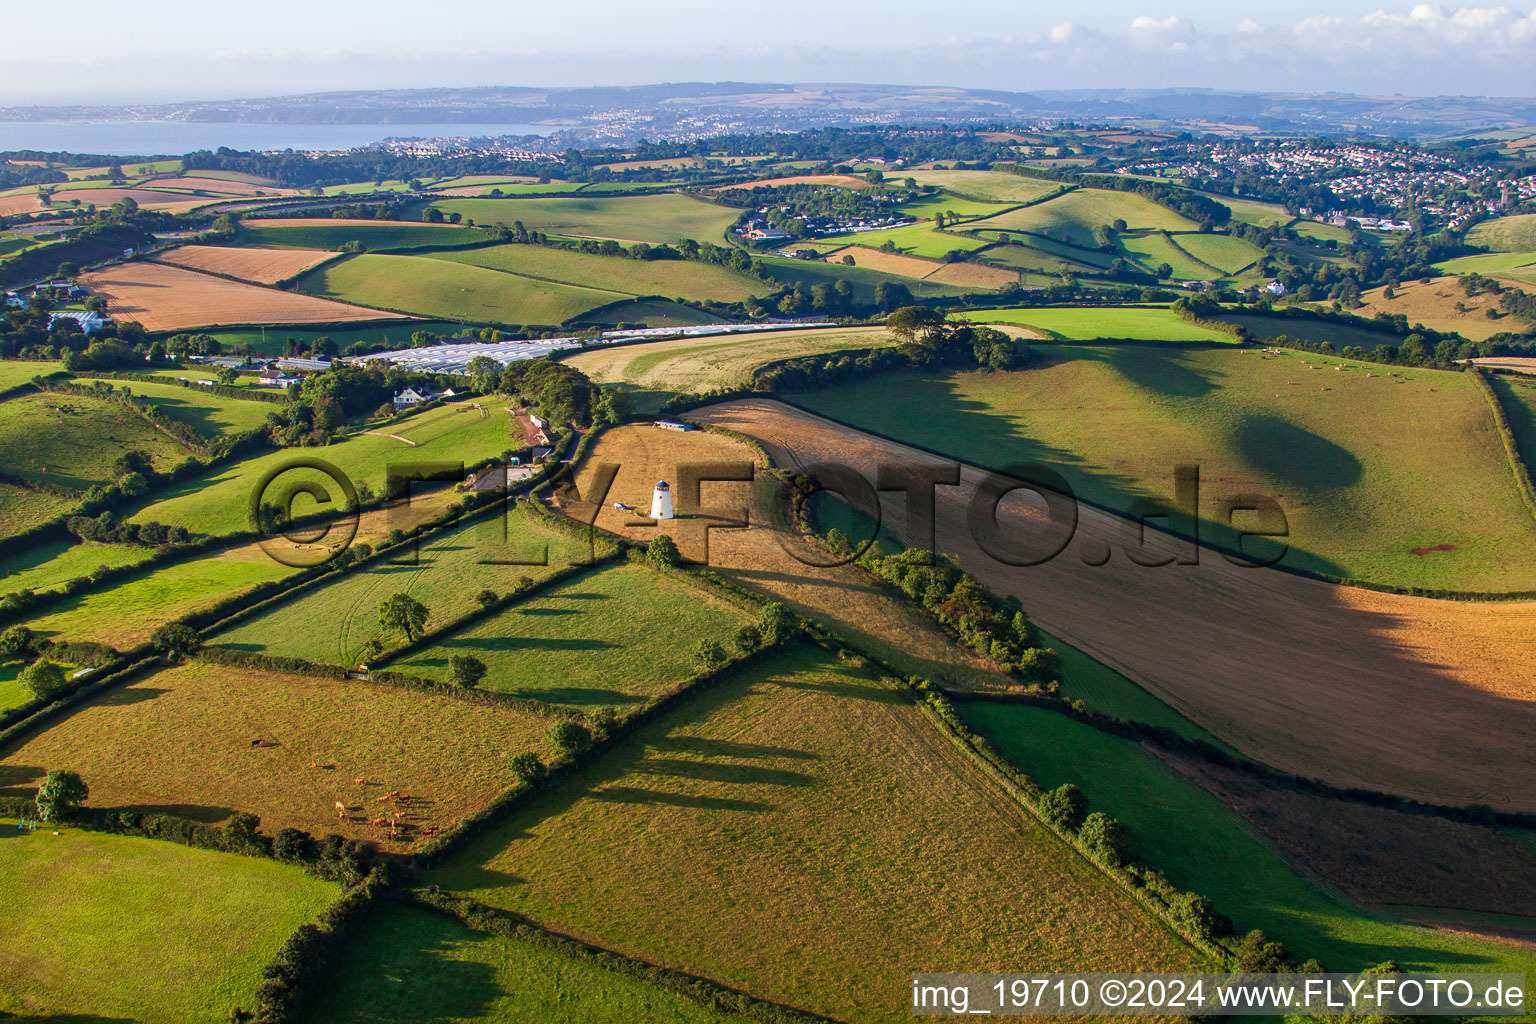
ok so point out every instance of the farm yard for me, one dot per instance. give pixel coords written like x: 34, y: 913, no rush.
x: 193, y: 928
x: 259, y: 266
x: 160, y: 297
x: 799, y: 799
x: 1300, y: 708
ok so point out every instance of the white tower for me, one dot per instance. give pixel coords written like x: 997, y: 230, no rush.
x: 661, y: 501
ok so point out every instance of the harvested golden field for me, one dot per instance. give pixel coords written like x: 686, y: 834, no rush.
x: 802, y: 834
x: 166, y: 298
x: 1441, y: 305
x: 844, y: 598
x: 169, y: 202
x: 1430, y: 699
x: 219, y: 186
x: 262, y: 266
x: 204, y: 741
x: 19, y: 202
x: 972, y: 275
x: 845, y: 180
x: 1517, y: 364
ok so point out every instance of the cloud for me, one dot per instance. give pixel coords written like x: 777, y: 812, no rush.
x: 1172, y: 34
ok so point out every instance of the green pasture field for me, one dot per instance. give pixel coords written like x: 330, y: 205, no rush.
x: 1074, y: 218
x: 1252, y: 211
x: 1091, y: 259
x: 52, y: 564
x: 1518, y: 396
x: 1086, y: 323
x: 987, y: 186
x: 192, y: 928
x: 1505, y: 234
x: 1314, y: 329
x: 659, y: 218
x: 655, y: 371
x: 1201, y: 845
x: 17, y: 371
x: 209, y: 414
x: 329, y: 234
x: 1031, y: 260
x: 410, y: 966
x: 365, y: 187
x: 920, y: 239
x: 862, y: 280
x: 1223, y: 252
x: 217, y: 502
x: 330, y: 624
x: 438, y: 288
x: 126, y: 613
x: 669, y: 278
x: 952, y: 206
x: 1366, y: 469
x: 22, y: 508
x: 831, y: 839
x: 577, y: 644
x: 1153, y: 247
x: 1320, y: 231
x: 71, y: 441
x: 273, y: 341
x: 1504, y: 264
x: 652, y: 313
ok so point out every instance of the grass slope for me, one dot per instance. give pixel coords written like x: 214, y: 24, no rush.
x: 659, y: 218
x: 1366, y: 469
x: 1505, y: 234
x: 331, y: 624
x: 1223, y: 252
x: 72, y: 441
x: 217, y: 502
x: 208, y: 414
x: 320, y: 233
x: 413, y: 966
x: 22, y: 508
x: 45, y: 566
x: 832, y: 842
x: 1075, y: 217
x: 1087, y: 323
x: 1181, y: 830
x: 670, y: 278
x: 191, y: 928
x: 617, y: 636
x: 452, y: 291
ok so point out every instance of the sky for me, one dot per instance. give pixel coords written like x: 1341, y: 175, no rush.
x: 168, y: 50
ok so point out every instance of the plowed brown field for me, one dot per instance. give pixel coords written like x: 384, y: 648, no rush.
x: 167, y: 298
x: 263, y: 266
x: 1434, y: 700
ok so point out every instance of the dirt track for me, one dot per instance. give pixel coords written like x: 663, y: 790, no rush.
x: 1434, y: 700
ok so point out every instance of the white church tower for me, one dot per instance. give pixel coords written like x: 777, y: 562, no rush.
x: 661, y: 501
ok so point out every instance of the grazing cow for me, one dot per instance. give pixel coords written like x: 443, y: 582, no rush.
x: 341, y: 810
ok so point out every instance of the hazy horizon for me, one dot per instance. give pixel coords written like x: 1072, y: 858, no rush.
x: 195, y: 52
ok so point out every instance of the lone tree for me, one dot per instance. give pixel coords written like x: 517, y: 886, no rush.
x: 1064, y: 806
x: 60, y: 793
x: 662, y: 552
x: 708, y: 654
x: 175, y: 638
x: 527, y: 766
x: 569, y: 737
x: 403, y: 614
x: 466, y: 670
x: 42, y: 679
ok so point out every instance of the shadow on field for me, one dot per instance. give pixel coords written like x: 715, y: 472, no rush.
x: 126, y: 695
x: 729, y: 748
x: 205, y: 813
x: 1295, y: 454
x: 719, y: 771
x: 851, y: 690
x: 579, y: 695
x: 19, y: 779
x: 519, y: 643
x: 1161, y: 370
x: 632, y: 795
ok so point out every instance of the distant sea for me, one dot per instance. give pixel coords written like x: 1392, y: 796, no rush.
x: 173, y: 138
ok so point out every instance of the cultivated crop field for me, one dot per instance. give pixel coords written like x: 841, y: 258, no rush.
x: 669, y: 278
x: 1088, y: 323
x: 203, y: 740
x: 260, y: 266
x: 831, y: 841
x: 660, y: 218
x: 332, y: 233
x: 71, y: 441
x: 657, y: 370
x: 331, y: 623
x: 165, y: 298
x: 454, y: 291
x: 192, y: 928
x: 575, y: 644
x: 1288, y: 670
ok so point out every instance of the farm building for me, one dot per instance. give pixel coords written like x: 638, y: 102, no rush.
x: 87, y: 322
x: 1275, y: 288
x: 408, y: 397
x: 675, y: 425
x: 275, y: 380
